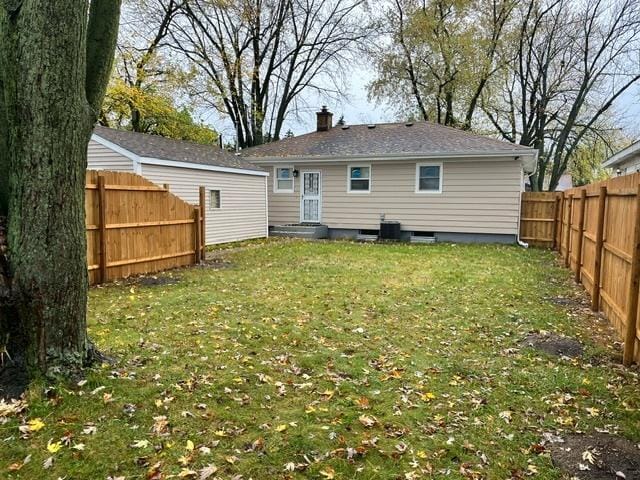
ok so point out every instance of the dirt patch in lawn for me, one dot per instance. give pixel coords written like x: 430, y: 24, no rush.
x: 597, y: 457
x: 155, y: 281
x: 566, y: 301
x: 553, y: 344
x: 217, y: 263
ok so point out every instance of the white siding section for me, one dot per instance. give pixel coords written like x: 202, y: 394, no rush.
x: 243, y: 212
x: 629, y: 166
x: 103, y: 158
x: 478, y: 196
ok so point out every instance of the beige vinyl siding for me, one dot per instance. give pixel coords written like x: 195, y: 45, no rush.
x: 478, y: 196
x: 243, y: 212
x: 632, y: 165
x: 103, y: 158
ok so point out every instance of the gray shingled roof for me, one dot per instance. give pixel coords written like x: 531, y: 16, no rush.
x: 154, y: 146
x: 385, y: 139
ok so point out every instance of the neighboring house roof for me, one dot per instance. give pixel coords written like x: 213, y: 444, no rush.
x: 622, y: 156
x: 391, y: 139
x: 154, y: 149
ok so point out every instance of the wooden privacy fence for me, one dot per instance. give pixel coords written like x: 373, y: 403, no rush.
x: 136, y: 227
x: 596, y: 230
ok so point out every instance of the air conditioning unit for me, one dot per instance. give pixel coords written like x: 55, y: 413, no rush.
x: 390, y: 230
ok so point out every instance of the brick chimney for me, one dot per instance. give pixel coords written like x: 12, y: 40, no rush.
x: 325, y: 120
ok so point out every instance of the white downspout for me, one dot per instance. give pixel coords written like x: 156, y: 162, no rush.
x: 522, y: 190
x: 266, y: 206
x: 520, y: 242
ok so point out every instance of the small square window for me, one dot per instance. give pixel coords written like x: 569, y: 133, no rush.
x: 215, y: 199
x: 429, y: 178
x: 359, y: 179
x: 284, y: 179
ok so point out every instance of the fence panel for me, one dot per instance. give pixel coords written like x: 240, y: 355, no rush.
x: 536, y: 218
x: 597, y: 234
x: 589, y: 240
x: 136, y: 227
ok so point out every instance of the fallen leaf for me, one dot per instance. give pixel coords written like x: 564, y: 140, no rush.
x: 140, y: 444
x: 588, y: 456
x: 186, y: 473
x: 368, y: 421
x: 328, y: 473
x: 36, y: 424
x: 363, y: 403
x: 207, y: 471
x: 506, y: 416
x: 89, y: 429
x: 54, y: 447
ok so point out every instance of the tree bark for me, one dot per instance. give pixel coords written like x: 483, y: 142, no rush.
x: 52, y: 86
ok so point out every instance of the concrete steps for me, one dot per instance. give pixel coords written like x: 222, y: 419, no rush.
x: 312, y: 232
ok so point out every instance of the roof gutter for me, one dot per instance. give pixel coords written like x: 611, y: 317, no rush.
x: 400, y: 156
x: 201, y: 166
x: 622, y: 155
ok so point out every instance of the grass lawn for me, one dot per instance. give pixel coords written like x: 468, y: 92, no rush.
x: 330, y: 360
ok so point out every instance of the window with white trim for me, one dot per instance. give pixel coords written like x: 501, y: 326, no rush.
x: 283, y: 179
x: 359, y: 178
x: 429, y: 178
x: 214, y: 199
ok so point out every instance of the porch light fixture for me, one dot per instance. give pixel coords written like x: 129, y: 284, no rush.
x: 296, y: 173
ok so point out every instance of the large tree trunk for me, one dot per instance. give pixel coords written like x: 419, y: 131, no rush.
x: 51, y: 97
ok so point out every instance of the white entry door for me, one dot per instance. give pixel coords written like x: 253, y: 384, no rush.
x: 311, y: 197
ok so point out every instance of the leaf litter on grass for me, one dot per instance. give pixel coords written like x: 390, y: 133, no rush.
x: 330, y: 360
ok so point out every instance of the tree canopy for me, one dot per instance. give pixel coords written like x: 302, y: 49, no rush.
x: 155, y: 113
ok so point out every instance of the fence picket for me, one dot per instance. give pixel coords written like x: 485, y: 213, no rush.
x: 597, y: 264
x: 579, y: 240
x: 567, y: 251
x: 634, y: 285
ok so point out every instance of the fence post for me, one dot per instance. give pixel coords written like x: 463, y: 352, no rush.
x: 203, y: 233
x: 595, y: 293
x: 583, y: 204
x: 102, y: 227
x: 567, y: 253
x: 554, y: 225
x: 634, y: 284
x: 197, y: 232
x: 561, y: 225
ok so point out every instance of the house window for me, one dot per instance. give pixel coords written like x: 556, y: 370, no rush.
x: 215, y: 199
x: 283, y: 180
x: 429, y: 178
x: 359, y: 178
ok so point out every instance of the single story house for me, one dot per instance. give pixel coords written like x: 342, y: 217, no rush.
x: 626, y: 161
x: 236, y: 190
x: 438, y: 182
